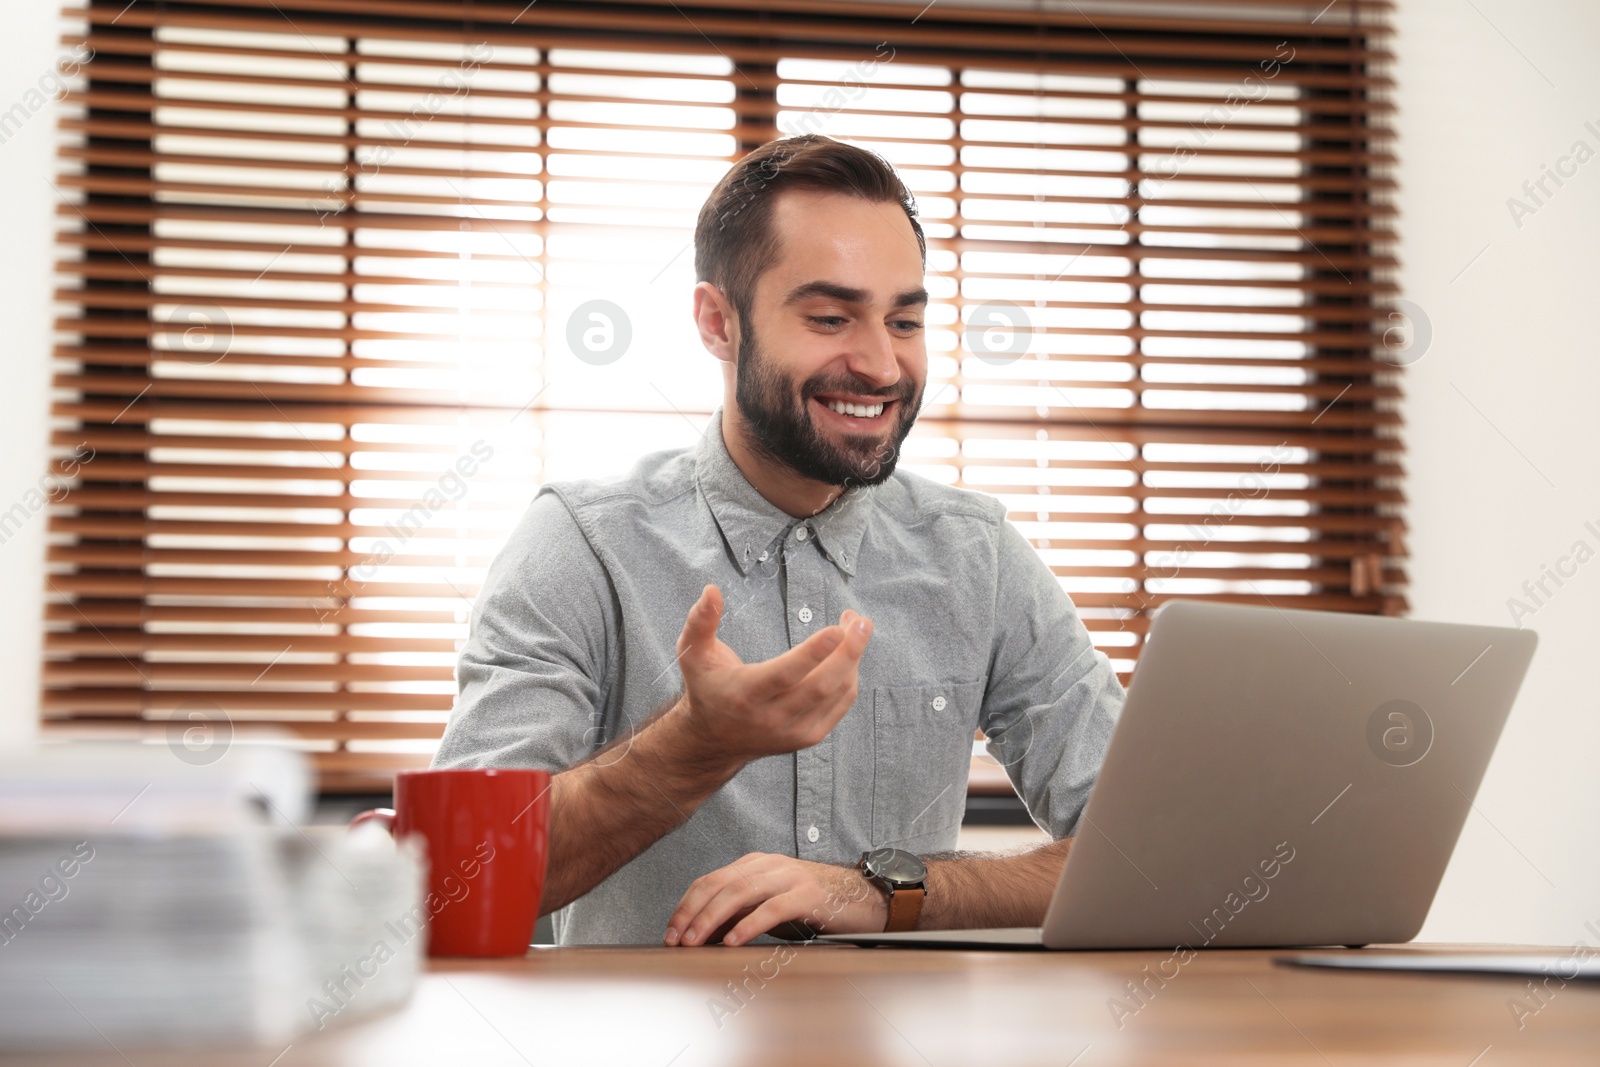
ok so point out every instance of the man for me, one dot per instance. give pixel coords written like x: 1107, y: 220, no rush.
x: 848, y: 627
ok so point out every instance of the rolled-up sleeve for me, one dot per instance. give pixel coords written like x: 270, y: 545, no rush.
x: 529, y: 679
x: 1052, y: 698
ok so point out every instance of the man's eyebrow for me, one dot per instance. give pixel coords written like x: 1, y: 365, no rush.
x: 849, y: 295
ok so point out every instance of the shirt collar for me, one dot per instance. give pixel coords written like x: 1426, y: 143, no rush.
x: 752, y: 525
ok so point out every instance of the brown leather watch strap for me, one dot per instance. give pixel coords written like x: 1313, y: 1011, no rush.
x: 905, y: 908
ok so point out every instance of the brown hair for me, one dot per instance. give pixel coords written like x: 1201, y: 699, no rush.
x: 733, y: 238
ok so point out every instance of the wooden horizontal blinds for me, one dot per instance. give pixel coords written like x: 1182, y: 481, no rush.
x: 343, y: 281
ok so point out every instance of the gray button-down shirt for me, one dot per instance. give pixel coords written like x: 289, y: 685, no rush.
x: 573, y: 640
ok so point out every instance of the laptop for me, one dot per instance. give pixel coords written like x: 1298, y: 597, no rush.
x: 1277, y: 778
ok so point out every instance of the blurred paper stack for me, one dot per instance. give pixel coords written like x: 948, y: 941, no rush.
x: 146, y: 902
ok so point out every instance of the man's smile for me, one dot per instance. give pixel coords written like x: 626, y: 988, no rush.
x: 856, y: 413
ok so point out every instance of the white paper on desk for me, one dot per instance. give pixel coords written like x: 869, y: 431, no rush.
x: 1564, y: 966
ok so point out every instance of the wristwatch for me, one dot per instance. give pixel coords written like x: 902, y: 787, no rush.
x: 903, y: 876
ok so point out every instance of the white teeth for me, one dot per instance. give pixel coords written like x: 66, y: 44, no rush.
x: 864, y: 411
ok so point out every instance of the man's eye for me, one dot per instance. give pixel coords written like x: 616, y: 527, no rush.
x: 908, y: 325
x: 827, y: 320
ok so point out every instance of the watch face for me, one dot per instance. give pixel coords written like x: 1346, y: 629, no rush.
x: 895, y: 866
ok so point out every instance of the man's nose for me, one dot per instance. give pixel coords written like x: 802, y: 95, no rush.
x: 872, y: 358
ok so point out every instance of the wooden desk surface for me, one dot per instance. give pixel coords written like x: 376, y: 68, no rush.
x: 827, y: 1004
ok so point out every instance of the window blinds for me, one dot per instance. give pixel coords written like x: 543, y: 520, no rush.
x: 343, y: 281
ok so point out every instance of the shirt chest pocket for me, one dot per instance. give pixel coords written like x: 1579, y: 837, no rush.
x: 923, y: 736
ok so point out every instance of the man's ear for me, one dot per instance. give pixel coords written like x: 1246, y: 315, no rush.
x: 718, y: 323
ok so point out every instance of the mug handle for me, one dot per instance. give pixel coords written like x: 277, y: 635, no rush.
x: 382, y: 816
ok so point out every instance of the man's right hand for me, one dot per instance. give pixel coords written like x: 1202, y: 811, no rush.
x: 607, y: 810
x: 743, y: 711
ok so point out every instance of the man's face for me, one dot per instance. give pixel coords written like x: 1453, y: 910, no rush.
x: 832, y: 358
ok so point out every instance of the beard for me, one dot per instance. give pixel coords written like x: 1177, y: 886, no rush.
x: 778, y: 415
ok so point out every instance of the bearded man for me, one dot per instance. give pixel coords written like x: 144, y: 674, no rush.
x: 756, y: 666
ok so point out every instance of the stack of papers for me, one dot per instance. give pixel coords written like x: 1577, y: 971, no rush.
x: 144, y: 788
x: 204, y: 920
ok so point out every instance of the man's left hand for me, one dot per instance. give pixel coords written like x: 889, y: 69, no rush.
x: 759, y: 891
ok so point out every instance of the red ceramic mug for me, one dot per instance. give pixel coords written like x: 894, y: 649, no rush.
x: 486, y: 835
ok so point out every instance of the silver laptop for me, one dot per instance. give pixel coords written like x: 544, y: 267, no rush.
x: 1276, y: 778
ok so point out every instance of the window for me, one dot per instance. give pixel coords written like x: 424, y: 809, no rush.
x: 344, y: 282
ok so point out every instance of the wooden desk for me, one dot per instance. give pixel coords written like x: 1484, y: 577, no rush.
x: 649, y: 1007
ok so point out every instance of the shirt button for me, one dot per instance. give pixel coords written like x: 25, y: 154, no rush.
x: 800, y: 534
x: 762, y: 558
x: 938, y: 703
x: 804, y: 614
x: 812, y: 835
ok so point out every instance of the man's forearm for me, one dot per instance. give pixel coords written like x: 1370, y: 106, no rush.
x: 985, y: 889
x: 608, y: 809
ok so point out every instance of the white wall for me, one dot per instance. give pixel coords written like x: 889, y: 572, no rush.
x: 1513, y: 335
x: 1503, y: 434
x: 28, y: 49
